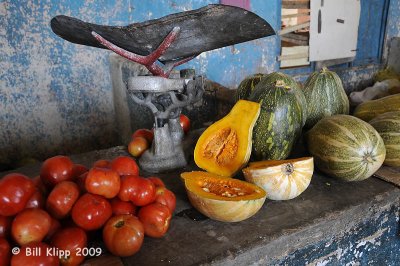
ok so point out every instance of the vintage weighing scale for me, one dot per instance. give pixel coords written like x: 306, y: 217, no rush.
x: 172, y: 40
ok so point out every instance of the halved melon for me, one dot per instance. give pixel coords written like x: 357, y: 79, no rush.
x: 222, y: 198
x: 225, y: 146
x: 281, y: 179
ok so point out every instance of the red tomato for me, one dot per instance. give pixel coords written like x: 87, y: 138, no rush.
x: 156, y: 181
x: 122, y: 207
x: 102, y: 181
x: 61, y: 199
x: 5, y: 226
x: 54, y: 227
x: 30, y: 225
x: 139, y: 190
x: 185, y: 123
x: 145, y: 133
x: 15, y: 191
x: 102, y: 163
x: 56, y: 169
x: 90, y: 212
x: 125, y: 165
x: 81, y: 182
x: 78, y: 170
x: 166, y: 197
x: 137, y: 146
x: 36, y: 200
x: 35, y: 254
x: 123, y: 235
x: 73, y: 239
x: 5, y: 252
x: 37, y: 181
x: 155, y: 218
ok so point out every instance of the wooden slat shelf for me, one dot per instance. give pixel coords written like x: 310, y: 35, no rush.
x: 299, y: 4
x: 294, y: 28
x: 292, y: 56
x: 302, y: 14
x: 285, y: 38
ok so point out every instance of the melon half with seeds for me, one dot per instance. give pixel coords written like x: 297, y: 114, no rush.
x: 281, y: 179
x: 346, y: 147
x: 225, y: 146
x: 222, y: 198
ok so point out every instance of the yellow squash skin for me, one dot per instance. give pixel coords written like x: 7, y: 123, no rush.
x: 371, y: 109
x: 218, y: 197
x: 281, y: 179
x: 225, y: 146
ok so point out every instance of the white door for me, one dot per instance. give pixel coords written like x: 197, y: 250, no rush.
x: 333, y: 29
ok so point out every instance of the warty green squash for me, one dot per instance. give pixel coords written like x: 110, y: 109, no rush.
x: 247, y: 86
x: 273, y: 77
x: 280, y: 122
x: 325, y: 96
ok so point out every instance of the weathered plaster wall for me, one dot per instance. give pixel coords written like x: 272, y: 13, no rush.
x: 393, y: 24
x: 230, y: 65
x: 56, y: 97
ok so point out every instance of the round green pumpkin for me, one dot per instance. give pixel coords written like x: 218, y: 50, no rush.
x: 346, y: 147
x: 280, y: 121
x: 273, y: 77
x: 388, y: 126
x: 325, y: 96
x: 247, y: 86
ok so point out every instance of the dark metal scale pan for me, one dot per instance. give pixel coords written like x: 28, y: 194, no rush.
x: 204, y: 29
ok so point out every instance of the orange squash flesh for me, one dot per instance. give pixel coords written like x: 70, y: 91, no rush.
x: 221, y: 198
x: 215, y: 187
x: 225, y: 146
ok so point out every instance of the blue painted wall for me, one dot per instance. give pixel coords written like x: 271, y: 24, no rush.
x: 374, y: 242
x: 56, y: 97
x: 393, y: 23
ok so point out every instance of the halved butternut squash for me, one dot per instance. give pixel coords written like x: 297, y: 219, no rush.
x: 225, y: 146
x: 281, y: 179
x: 222, y: 198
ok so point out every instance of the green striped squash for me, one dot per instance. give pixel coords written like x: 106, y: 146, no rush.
x: 325, y: 96
x: 346, y: 147
x: 247, y: 86
x: 289, y: 81
x: 279, y: 124
x: 388, y: 126
x: 370, y: 109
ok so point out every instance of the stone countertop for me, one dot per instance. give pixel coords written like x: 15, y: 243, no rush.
x: 328, y: 208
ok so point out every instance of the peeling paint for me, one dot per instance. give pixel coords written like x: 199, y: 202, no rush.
x: 368, y: 243
x: 56, y: 97
x: 392, y: 24
x: 372, y: 238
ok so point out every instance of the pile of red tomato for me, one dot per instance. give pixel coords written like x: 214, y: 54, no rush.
x: 56, y: 210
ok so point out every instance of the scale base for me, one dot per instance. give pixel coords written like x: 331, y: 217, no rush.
x: 166, y: 153
x: 160, y: 164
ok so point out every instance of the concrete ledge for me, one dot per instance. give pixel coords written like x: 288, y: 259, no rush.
x: 332, y: 222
